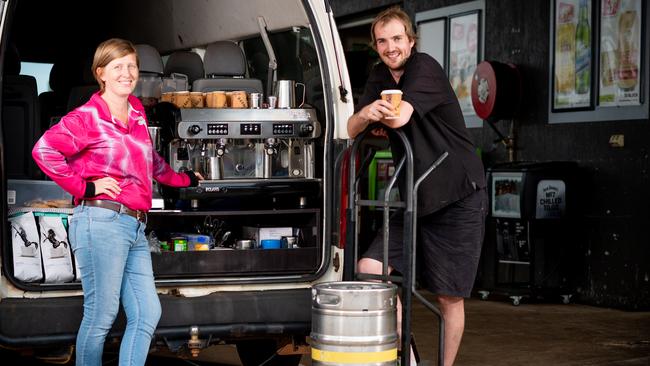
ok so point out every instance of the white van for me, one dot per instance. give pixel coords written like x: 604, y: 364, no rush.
x: 273, y: 174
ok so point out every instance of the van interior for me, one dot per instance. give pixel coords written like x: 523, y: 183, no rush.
x: 264, y: 166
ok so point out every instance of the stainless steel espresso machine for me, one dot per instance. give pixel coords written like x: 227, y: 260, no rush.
x: 247, y: 151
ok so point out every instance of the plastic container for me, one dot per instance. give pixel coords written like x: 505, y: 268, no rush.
x: 180, y: 244
x: 271, y: 243
x: 164, y: 246
x: 198, y: 242
x: 23, y: 192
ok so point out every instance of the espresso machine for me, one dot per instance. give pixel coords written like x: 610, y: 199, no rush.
x: 246, y: 151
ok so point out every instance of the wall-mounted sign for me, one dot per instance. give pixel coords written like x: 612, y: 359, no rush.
x: 572, y: 60
x: 620, y: 53
x: 463, y: 57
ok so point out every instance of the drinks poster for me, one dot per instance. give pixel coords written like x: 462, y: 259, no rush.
x: 573, y: 54
x: 463, y: 58
x: 620, y: 52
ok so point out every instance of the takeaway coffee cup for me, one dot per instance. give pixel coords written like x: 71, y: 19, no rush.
x: 216, y: 99
x: 394, y: 97
x: 197, y: 99
x: 182, y: 99
x: 167, y: 97
x: 237, y: 99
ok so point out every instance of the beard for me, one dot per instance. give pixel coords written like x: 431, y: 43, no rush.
x: 400, y: 65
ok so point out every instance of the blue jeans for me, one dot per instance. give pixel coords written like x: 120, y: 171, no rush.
x: 115, y: 263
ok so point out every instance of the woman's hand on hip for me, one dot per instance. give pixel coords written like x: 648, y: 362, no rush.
x: 107, y: 186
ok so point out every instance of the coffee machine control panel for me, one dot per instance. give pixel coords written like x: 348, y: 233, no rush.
x: 250, y: 129
x: 217, y: 129
x: 248, y: 123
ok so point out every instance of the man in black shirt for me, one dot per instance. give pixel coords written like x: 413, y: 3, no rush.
x: 452, y: 202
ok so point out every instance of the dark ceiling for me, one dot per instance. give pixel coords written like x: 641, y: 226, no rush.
x: 44, y: 31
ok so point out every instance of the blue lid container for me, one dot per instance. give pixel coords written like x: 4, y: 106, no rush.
x: 271, y: 244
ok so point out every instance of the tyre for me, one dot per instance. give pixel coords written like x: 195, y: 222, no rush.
x: 260, y: 352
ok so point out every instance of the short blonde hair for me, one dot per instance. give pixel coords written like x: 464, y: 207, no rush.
x: 108, y: 51
x: 394, y: 12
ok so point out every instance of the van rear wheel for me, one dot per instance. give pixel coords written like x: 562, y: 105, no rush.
x: 260, y: 352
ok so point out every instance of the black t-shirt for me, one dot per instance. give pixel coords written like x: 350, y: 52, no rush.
x: 436, y: 126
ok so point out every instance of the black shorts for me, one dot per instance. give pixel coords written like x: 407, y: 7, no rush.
x: 449, y: 245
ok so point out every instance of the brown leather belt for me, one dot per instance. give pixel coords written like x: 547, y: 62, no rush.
x: 117, y: 207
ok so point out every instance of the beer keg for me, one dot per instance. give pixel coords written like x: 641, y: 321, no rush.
x: 354, y: 323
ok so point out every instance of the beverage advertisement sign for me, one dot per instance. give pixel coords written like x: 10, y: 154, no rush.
x: 463, y: 57
x: 573, y: 54
x: 620, y: 52
x: 551, y: 199
x: 506, y: 195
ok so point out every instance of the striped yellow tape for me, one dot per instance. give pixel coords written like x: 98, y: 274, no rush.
x: 353, y: 357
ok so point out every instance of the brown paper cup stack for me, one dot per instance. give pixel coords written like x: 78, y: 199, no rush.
x: 182, y: 99
x: 167, y: 97
x: 197, y: 99
x: 238, y: 99
x: 216, y: 99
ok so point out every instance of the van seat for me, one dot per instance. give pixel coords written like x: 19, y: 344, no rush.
x: 20, y: 118
x: 79, y: 95
x: 149, y: 86
x: 225, y: 69
x: 81, y: 92
x: 150, y: 60
x: 64, y: 75
x: 187, y: 63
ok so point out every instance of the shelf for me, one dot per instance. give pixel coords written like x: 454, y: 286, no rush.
x: 234, y: 262
x: 232, y: 212
x: 229, y: 188
x: 18, y: 209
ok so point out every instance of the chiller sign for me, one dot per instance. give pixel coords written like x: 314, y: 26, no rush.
x: 551, y: 199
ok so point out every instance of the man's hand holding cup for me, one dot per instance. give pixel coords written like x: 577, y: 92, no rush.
x: 386, y: 107
x: 394, y: 98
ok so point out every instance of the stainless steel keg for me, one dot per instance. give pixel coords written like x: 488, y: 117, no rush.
x: 354, y: 323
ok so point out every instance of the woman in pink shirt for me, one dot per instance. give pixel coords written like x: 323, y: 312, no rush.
x: 102, y: 154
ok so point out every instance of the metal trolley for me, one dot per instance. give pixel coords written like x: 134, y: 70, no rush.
x: 409, y: 206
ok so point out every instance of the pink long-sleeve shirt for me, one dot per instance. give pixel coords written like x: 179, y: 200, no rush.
x: 89, y: 143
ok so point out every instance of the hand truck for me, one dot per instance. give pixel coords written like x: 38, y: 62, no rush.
x: 409, y: 205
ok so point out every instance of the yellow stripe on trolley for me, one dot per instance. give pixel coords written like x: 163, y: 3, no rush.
x: 353, y: 357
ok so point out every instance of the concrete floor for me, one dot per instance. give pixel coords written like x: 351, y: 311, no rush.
x: 498, y: 333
